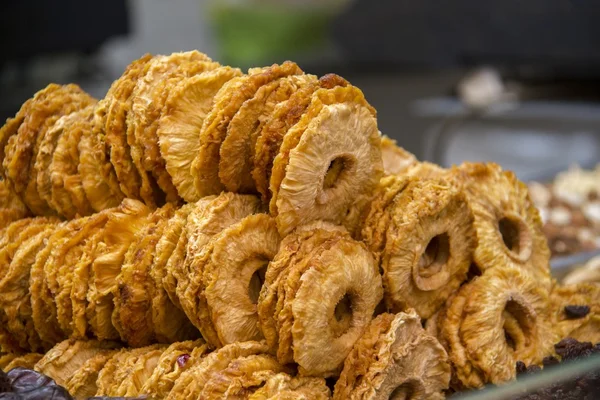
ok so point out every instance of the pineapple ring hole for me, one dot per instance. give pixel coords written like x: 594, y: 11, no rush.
x: 338, y: 170
x: 516, y: 236
x: 342, y: 315
x: 511, y: 334
x: 435, y: 256
x: 407, y: 390
x: 256, y: 283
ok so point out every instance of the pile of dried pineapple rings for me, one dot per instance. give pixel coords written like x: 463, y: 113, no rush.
x: 204, y: 233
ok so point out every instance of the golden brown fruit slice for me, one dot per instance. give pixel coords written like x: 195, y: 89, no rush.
x: 112, y: 116
x: 11, y: 128
x: 328, y: 158
x: 82, y: 383
x: 581, y: 294
x: 192, y: 381
x: 132, y: 315
x: 68, y: 356
x: 395, y: 358
x: 237, y: 150
x: 48, y: 106
x: 24, y: 361
x: 396, y: 160
x: 205, y: 167
x: 284, y: 386
x: 139, y: 373
x: 149, y: 99
x: 5, y: 359
x: 176, y: 359
x: 12, y: 207
x: 428, y: 247
x: 509, y: 227
x: 494, y: 321
x: 180, y: 123
x: 67, y: 195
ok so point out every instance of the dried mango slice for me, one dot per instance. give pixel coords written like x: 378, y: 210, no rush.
x: 395, y: 358
x: 205, y: 167
x: 429, y: 246
x: 396, y: 160
x: 494, y: 321
x: 284, y: 386
x: 180, y: 123
x: 509, y: 227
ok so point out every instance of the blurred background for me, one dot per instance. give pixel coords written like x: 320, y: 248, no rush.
x: 514, y: 82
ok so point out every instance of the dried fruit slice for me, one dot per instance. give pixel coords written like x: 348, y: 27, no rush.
x: 67, y: 195
x: 179, y: 126
x: 12, y: 207
x: 68, y: 356
x: 11, y: 127
x: 395, y: 358
x: 27, y: 361
x: 427, y: 170
x: 170, y: 323
x: 237, y: 150
x: 284, y: 386
x: 242, y: 377
x: 396, y: 160
x: 139, y: 372
x: 48, y: 106
x: 582, y: 294
x: 509, y: 227
x: 494, y: 321
x: 328, y: 158
x: 82, y: 383
x: 119, y: 367
x: 429, y: 246
x: 177, y: 358
x: 119, y: 232
x: 149, y: 99
x: 233, y: 277
x: 98, y: 177
x: 230, y: 98
x: 132, y: 315
x: 5, y: 359
x: 14, y: 293
x: 192, y: 381
x: 113, y: 116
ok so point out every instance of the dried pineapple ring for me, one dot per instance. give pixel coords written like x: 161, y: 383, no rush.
x: 283, y: 386
x: 482, y: 343
x: 139, y: 372
x: 581, y: 294
x: 395, y: 358
x: 237, y: 150
x: 205, y: 167
x: 48, y: 106
x: 333, y: 306
x: 170, y: 322
x: 112, y: 117
x: 12, y: 207
x: 428, y: 247
x: 98, y: 177
x: 509, y: 228
x: 14, y: 296
x: 241, y: 377
x: 427, y: 170
x: 132, y: 315
x: 179, y: 126
x: 147, y: 105
x: 11, y: 127
x: 320, y: 178
x: 177, y: 358
x: 192, y: 381
x: 396, y: 160
x: 232, y: 276
x: 589, y: 331
x: 82, y: 383
x: 68, y: 356
x: 24, y: 361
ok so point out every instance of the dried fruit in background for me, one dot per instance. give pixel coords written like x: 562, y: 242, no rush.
x: 428, y: 248
x: 494, y: 321
x: 233, y: 277
x: 180, y: 123
x: 509, y: 228
x: 581, y: 294
x: 395, y: 159
x: 205, y: 167
x: 242, y: 377
x: 149, y: 99
x: 47, y: 107
x: 67, y: 195
x: 427, y: 170
x: 132, y: 315
x: 192, y: 381
x: 328, y: 158
x: 284, y: 386
x: 395, y: 358
x: 177, y: 358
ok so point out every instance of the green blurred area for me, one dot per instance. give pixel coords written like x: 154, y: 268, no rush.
x: 252, y: 33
